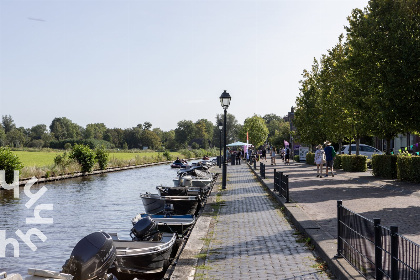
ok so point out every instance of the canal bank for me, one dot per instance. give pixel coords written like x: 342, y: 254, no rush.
x: 242, y: 234
x: 95, y: 172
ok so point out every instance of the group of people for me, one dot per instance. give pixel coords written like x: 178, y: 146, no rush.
x: 262, y: 154
x: 324, y: 156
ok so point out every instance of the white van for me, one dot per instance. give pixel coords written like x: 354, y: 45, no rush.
x: 364, y: 150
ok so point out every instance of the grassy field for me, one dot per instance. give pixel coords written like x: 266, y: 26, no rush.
x: 39, y: 159
x: 46, y: 158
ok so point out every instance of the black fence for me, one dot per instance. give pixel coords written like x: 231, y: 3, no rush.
x: 375, y: 251
x: 262, y: 170
x: 281, y: 184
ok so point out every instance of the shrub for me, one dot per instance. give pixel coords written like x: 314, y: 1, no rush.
x: 84, y: 156
x: 102, y: 157
x: 167, y: 155
x: 408, y: 168
x: 67, y: 146
x: 9, y: 162
x: 186, y: 153
x: 310, y: 158
x: 385, y: 166
x: 353, y: 163
x: 337, y: 162
x: 296, y: 158
x: 62, y: 160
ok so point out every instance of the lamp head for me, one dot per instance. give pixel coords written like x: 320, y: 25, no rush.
x: 225, y: 100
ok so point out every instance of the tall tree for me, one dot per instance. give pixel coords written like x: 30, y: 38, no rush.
x: 2, y: 137
x: 8, y: 123
x: 16, y: 138
x: 184, y: 133
x: 233, y: 128
x: 95, y: 131
x: 203, y: 132
x: 150, y: 139
x: 257, y: 130
x: 308, y: 117
x: 147, y: 125
x: 384, y: 47
x: 63, y: 128
x: 38, y: 131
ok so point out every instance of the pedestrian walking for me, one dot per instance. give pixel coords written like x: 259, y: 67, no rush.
x: 238, y: 158
x: 273, y: 156
x: 329, y: 157
x: 286, y: 155
x: 319, y: 160
x: 264, y: 154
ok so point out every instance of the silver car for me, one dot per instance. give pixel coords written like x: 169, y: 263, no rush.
x: 364, y: 150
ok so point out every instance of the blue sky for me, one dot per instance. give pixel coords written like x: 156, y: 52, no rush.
x: 126, y: 62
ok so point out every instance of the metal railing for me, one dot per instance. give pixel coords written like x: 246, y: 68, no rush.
x: 281, y: 184
x: 262, y: 170
x: 375, y: 251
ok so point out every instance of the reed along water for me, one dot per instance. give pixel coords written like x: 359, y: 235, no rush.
x: 81, y: 206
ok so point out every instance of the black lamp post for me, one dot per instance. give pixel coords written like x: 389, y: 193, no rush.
x: 220, y: 130
x: 225, y: 102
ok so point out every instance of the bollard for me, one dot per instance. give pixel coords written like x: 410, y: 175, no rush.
x: 378, y: 249
x: 339, y: 240
x: 275, y: 180
x: 394, y: 252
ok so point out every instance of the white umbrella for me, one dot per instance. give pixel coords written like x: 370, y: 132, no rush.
x: 238, y: 144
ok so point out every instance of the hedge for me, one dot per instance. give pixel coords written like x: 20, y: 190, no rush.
x: 385, y: 166
x: 337, y: 162
x: 408, y: 168
x: 310, y: 158
x: 353, y: 163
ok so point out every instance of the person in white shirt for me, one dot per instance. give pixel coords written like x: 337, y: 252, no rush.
x: 319, y: 160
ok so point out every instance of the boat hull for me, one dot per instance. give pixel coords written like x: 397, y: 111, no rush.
x: 182, y: 205
x: 152, y: 203
x: 143, y: 259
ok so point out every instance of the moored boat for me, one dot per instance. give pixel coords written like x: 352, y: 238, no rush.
x: 147, y: 255
x: 177, y: 205
x: 169, y: 223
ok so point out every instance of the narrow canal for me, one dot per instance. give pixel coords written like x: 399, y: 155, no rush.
x: 81, y: 206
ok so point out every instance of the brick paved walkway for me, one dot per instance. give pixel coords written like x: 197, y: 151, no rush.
x: 251, y: 238
x: 395, y: 203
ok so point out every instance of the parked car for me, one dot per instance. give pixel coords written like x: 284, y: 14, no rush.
x: 364, y: 150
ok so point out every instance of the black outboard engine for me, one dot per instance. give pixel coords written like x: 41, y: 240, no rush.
x: 144, y: 229
x: 91, y: 257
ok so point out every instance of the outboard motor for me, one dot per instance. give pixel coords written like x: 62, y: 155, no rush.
x: 91, y: 257
x: 144, y: 229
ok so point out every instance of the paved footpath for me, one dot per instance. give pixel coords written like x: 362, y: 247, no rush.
x: 395, y: 203
x: 251, y: 239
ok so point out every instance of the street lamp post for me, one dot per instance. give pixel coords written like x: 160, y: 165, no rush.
x: 220, y: 156
x: 225, y: 102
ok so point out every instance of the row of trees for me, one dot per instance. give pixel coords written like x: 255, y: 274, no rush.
x: 368, y: 84
x: 62, y: 133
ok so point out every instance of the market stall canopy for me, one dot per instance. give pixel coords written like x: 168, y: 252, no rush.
x: 238, y: 144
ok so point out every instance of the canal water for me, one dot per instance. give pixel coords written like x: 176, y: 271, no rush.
x: 81, y: 206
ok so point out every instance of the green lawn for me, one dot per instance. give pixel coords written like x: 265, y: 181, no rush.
x: 39, y: 159
x: 46, y: 158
